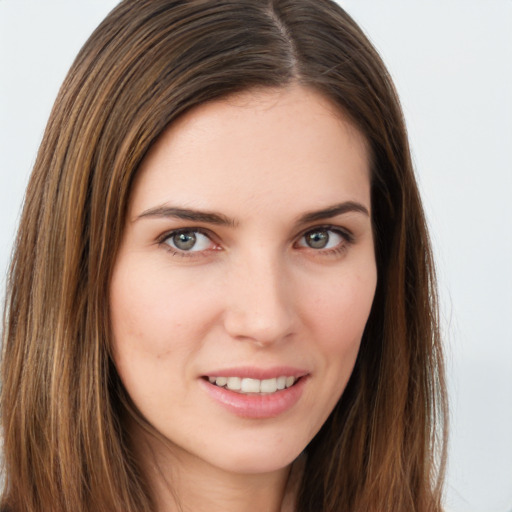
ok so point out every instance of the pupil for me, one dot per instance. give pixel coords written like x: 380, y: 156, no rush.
x: 318, y: 239
x: 184, y: 241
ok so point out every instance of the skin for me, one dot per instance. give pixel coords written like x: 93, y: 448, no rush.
x: 252, y: 291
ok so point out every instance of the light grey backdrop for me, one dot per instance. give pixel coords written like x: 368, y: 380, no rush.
x: 452, y: 64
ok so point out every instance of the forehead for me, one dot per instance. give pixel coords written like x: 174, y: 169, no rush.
x: 255, y: 148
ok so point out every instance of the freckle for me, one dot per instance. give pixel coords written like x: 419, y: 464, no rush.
x: 163, y: 355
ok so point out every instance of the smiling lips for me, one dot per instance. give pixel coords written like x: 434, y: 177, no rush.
x: 246, y: 396
x: 248, y: 385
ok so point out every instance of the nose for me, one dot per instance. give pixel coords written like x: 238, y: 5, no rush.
x: 259, y: 301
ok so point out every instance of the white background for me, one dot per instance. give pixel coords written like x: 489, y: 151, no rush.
x: 452, y: 64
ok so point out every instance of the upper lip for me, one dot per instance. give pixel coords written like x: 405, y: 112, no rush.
x: 258, y: 373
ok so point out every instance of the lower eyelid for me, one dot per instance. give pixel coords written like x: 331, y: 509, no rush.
x: 163, y: 240
x: 346, y: 239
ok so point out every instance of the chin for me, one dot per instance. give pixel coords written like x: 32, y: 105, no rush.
x: 257, y: 457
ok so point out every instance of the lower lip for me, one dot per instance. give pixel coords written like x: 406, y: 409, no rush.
x: 256, y: 406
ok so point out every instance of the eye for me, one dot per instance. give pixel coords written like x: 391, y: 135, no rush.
x: 322, y: 238
x: 188, y: 240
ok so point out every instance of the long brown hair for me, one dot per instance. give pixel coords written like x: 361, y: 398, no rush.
x: 65, y: 447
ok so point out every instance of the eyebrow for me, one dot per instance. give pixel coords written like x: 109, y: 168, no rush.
x: 334, y: 211
x: 222, y: 220
x: 188, y: 214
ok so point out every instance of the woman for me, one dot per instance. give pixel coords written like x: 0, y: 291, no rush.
x: 222, y: 294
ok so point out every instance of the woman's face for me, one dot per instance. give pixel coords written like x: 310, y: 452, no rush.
x: 245, y: 277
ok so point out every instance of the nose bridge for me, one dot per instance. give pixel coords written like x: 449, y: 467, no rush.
x: 258, y: 301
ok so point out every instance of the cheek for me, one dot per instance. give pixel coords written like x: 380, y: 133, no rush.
x: 155, y: 330
x: 159, y: 324
x: 340, y: 310
x: 137, y: 312
x: 337, y: 316
x: 154, y: 313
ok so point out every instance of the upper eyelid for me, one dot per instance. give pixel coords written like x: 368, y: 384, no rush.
x: 167, y: 234
x: 345, y: 232
x: 176, y: 251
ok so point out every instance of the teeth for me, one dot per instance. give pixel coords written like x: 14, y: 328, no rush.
x: 221, y: 381
x: 268, y: 386
x: 233, y: 383
x: 248, y: 385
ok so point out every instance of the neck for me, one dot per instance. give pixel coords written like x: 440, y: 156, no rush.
x: 182, y: 482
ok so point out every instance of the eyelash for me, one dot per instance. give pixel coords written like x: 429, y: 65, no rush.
x: 182, y: 253
x: 346, y: 235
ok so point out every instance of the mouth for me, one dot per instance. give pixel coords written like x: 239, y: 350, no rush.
x: 249, y: 386
x: 256, y: 393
